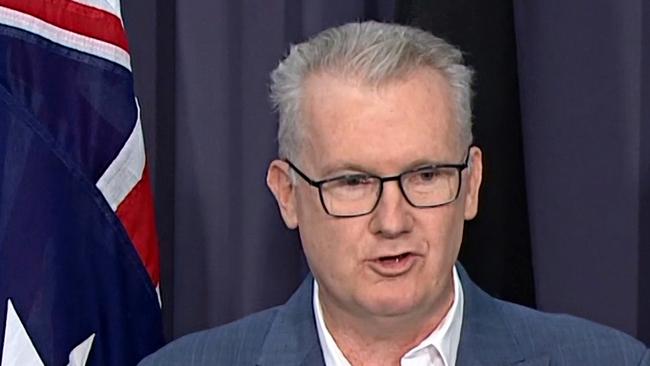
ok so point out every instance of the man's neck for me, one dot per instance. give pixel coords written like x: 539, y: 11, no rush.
x: 383, y: 340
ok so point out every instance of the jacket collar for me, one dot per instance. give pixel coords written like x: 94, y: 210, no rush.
x: 292, y: 339
x: 487, y: 338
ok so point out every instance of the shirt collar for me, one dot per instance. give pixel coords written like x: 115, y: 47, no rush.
x: 332, y: 354
x: 444, y: 339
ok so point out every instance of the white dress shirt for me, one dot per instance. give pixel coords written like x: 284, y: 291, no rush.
x: 438, y: 349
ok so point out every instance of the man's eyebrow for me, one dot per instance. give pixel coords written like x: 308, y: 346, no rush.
x: 421, y: 163
x: 338, y: 168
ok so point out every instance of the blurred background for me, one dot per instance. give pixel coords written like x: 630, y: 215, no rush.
x: 560, y: 110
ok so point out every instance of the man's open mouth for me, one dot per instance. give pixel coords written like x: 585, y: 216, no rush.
x: 393, y: 258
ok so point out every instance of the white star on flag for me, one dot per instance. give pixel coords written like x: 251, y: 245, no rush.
x: 18, y: 349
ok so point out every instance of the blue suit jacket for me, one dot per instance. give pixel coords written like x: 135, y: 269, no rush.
x: 494, y: 333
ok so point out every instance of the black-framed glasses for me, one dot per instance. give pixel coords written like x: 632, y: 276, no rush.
x: 358, y: 194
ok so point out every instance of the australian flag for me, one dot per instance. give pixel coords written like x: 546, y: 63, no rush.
x: 78, y: 251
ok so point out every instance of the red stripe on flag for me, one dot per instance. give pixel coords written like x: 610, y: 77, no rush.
x: 74, y: 17
x: 137, y: 215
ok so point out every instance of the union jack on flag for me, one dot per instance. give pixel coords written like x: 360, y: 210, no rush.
x: 79, y: 265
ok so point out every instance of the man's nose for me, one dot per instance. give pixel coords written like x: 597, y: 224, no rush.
x: 392, y: 216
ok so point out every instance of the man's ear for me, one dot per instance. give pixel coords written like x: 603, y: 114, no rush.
x: 474, y: 178
x: 279, y: 181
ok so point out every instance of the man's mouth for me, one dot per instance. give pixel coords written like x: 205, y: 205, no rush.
x: 393, y: 265
x: 394, y: 258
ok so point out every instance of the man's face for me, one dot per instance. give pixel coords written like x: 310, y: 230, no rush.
x: 384, y: 131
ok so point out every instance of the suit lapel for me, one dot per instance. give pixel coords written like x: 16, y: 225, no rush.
x: 314, y: 357
x: 477, y: 360
x: 486, y: 338
x: 292, y: 339
x: 542, y: 361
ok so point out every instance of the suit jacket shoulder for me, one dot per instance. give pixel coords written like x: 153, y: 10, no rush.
x: 496, y: 332
x: 284, y: 335
x: 236, y: 343
x: 566, y: 335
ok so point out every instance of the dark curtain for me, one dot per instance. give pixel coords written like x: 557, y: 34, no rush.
x: 567, y: 169
x: 584, y: 96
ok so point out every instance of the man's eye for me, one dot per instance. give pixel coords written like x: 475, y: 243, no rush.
x: 355, y: 180
x: 427, y: 175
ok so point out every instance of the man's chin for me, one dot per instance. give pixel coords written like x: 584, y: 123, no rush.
x: 392, y: 305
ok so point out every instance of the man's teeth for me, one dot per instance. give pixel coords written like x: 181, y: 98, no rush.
x: 394, y: 259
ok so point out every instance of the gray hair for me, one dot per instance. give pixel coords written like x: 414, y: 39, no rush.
x: 375, y: 53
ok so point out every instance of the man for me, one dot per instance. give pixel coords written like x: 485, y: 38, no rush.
x: 377, y: 172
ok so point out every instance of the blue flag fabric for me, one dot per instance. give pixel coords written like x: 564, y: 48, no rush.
x: 73, y: 288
